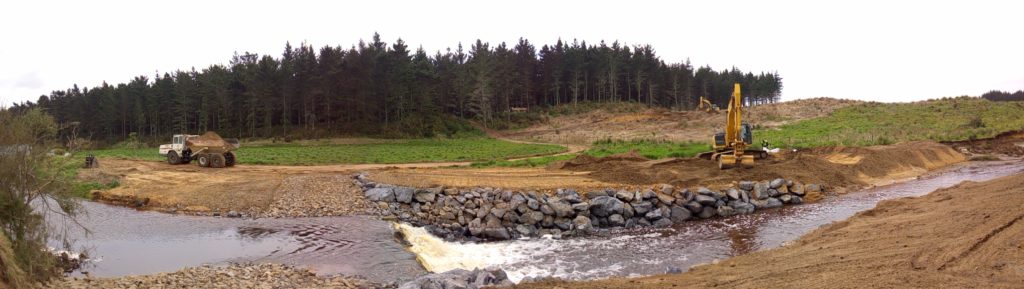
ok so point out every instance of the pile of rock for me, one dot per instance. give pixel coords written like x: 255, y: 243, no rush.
x: 496, y: 214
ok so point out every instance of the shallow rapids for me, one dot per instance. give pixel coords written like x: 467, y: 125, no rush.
x: 647, y: 251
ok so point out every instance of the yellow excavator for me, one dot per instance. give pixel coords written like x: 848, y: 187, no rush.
x: 734, y: 146
x: 706, y: 105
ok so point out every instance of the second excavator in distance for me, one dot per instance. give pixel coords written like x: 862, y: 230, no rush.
x: 734, y: 146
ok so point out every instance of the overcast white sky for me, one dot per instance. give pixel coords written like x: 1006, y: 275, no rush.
x: 871, y: 50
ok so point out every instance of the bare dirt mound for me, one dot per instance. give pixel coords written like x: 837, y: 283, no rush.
x: 1008, y: 143
x: 585, y: 160
x: 966, y: 236
x: 837, y: 166
x: 661, y: 124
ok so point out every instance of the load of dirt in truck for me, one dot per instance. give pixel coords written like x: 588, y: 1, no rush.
x: 209, y: 150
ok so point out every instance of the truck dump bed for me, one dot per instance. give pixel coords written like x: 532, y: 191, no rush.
x: 210, y: 141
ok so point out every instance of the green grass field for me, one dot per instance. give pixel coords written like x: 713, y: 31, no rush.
x: 886, y: 123
x: 390, y: 152
x: 647, y: 148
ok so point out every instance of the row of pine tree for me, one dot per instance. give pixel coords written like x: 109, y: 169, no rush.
x: 379, y: 89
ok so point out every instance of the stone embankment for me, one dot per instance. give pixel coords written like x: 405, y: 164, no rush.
x: 496, y: 214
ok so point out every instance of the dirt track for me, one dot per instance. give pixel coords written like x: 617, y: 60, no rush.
x: 660, y: 124
x: 967, y: 236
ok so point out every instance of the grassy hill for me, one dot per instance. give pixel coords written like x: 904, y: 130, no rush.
x: 875, y: 123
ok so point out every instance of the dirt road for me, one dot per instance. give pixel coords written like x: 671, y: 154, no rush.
x: 967, y: 236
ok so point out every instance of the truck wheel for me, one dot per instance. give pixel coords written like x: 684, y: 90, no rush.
x: 229, y: 159
x: 204, y: 160
x: 172, y: 158
x: 217, y: 161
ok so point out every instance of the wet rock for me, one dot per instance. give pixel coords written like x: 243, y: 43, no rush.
x: 631, y: 222
x: 796, y: 200
x: 662, y: 223
x: 707, y: 212
x: 767, y: 203
x: 673, y: 270
x: 476, y: 227
x: 582, y: 224
x: 498, y: 211
x: 642, y: 208
x: 680, y: 214
x: 685, y: 196
x: 746, y: 185
x: 459, y: 279
x: 624, y: 195
x: 564, y: 224
x: 548, y: 222
x: 233, y: 214
x: 705, y: 200
x: 776, y: 183
x: 642, y: 222
x: 499, y: 233
x: 773, y: 193
x: 705, y: 191
x: 745, y: 196
x: 783, y: 190
x: 616, y: 220
x: 380, y: 194
x: 733, y: 193
x: 694, y: 207
x: 760, y: 191
x: 726, y: 211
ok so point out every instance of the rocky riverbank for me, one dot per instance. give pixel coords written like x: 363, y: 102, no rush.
x: 495, y: 214
x: 232, y: 276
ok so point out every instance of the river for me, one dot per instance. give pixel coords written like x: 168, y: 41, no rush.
x: 126, y: 241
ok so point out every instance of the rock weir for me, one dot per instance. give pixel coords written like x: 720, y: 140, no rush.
x: 497, y: 214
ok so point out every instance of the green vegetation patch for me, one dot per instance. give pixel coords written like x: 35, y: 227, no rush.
x: 390, y: 152
x: 867, y: 124
x: 651, y: 149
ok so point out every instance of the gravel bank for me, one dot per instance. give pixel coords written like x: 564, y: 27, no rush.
x: 232, y: 276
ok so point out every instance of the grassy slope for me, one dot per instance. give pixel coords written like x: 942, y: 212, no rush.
x: 404, y: 151
x: 885, y: 123
x: 646, y: 148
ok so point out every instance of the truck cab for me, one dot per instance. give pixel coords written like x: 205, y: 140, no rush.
x: 177, y: 144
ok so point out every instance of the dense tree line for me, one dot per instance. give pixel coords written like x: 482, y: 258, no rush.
x: 996, y: 95
x: 380, y: 89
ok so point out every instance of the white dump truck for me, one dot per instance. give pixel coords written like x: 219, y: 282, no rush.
x: 208, y: 150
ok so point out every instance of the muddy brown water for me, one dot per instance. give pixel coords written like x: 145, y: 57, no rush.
x: 127, y: 242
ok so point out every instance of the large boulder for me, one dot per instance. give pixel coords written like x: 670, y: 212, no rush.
x: 726, y: 211
x: 767, y: 203
x: 733, y: 193
x: 404, y: 194
x: 694, y: 207
x: 614, y: 206
x: 616, y: 220
x: 680, y: 214
x: 653, y: 215
x: 531, y: 217
x: 642, y: 208
x: 786, y: 198
x: 760, y: 191
x: 598, y: 206
x: 777, y: 183
x: 594, y: 194
x: 741, y: 207
x: 569, y: 195
x: 624, y: 195
x: 707, y: 212
x: 665, y: 199
x: 797, y: 189
x: 561, y: 208
x: 662, y: 223
x: 705, y: 200
x: 380, y: 194
x: 582, y: 224
x: 427, y: 195
x: 648, y: 194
